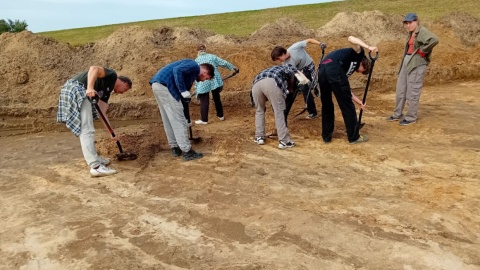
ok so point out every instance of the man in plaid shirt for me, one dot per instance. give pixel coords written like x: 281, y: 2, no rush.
x: 274, y: 84
x: 214, y: 85
x: 77, y: 112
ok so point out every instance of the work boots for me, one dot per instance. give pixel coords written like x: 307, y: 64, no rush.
x: 191, y: 155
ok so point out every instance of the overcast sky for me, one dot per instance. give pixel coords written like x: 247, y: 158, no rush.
x: 49, y: 15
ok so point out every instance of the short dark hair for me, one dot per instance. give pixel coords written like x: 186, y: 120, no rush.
x: 277, y: 52
x: 210, y: 68
x: 126, y: 80
x: 366, y: 65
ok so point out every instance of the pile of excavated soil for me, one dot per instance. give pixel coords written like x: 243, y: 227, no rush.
x: 33, y: 68
x: 465, y: 26
x: 371, y: 26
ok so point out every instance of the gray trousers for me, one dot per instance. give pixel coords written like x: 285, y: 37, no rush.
x: 261, y: 91
x: 409, y: 88
x: 87, y: 135
x: 173, y: 118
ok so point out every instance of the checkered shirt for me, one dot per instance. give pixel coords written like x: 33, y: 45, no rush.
x: 281, y: 74
x: 216, y: 82
x: 69, y: 104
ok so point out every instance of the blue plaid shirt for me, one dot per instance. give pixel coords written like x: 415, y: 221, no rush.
x: 177, y: 76
x: 215, y: 61
x: 281, y: 74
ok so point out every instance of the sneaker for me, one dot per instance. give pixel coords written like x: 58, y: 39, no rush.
x: 312, y: 116
x: 191, y: 155
x: 104, y: 161
x: 392, y: 118
x: 259, y: 140
x: 200, y: 122
x: 283, y: 145
x: 176, y: 151
x: 221, y: 118
x: 101, y: 171
x: 362, y: 138
x: 406, y: 123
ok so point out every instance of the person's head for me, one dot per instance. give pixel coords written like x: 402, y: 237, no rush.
x: 122, y: 85
x: 201, y: 48
x: 207, y: 72
x: 279, y: 54
x: 410, y: 22
x: 364, y: 67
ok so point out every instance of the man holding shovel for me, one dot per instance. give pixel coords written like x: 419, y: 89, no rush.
x: 333, y: 77
x: 215, y: 85
x: 76, y: 110
x: 171, y: 86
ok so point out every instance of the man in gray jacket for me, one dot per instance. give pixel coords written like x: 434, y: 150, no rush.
x: 418, y: 48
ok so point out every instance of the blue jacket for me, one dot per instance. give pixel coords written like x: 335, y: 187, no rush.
x: 177, y: 76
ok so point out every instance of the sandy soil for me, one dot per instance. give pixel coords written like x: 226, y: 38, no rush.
x: 407, y: 199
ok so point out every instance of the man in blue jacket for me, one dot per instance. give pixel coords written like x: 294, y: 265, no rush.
x: 171, y: 86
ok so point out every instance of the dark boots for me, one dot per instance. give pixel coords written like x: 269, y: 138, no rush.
x: 176, y: 151
x: 191, y: 155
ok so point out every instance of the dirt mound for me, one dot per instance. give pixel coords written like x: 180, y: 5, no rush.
x: 375, y: 26
x: 30, y: 65
x: 283, y: 27
x: 184, y: 35
x: 465, y: 26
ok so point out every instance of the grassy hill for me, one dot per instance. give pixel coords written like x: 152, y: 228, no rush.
x: 246, y: 22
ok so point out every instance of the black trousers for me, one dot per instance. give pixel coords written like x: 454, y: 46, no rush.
x: 205, y: 103
x: 332, y: 78
x: 307, y: 95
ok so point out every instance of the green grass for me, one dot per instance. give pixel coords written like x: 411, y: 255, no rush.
x: 246, y: 22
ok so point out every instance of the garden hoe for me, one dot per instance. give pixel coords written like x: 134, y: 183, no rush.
x: 122, y: 156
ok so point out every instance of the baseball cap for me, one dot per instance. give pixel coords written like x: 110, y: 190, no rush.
x: 201, y: 47
x: 410, y: 17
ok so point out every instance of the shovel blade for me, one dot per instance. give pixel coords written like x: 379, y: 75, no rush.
x: 195, y: 139
x: 126, y: 156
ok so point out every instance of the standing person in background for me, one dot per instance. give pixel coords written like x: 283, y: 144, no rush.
x: 76, y: 110
x: 273, y: 84
x: 333, y: 77
x: 214, y: 85
x: 171, y: 87
x: 296, y: 56
x: 416, y: 57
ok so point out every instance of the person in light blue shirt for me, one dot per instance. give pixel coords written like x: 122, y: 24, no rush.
x: 214, y: 85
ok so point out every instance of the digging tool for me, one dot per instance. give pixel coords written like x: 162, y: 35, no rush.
x: 314, y: 83
x: 235, y: 71
x: 122, y: 156
x: 359, y: 124
x: 186, y: 112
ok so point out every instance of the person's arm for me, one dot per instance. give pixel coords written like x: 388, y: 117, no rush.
x: 428, y: 40
x: 94, y: 72
x: 357, y: 44
x: 358, y: 101
x: 312, y: 41
x: 224, y: 63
